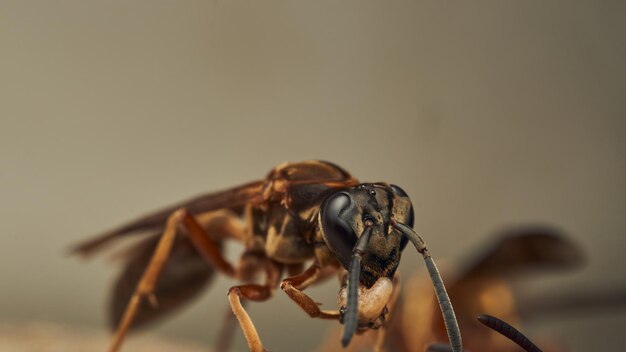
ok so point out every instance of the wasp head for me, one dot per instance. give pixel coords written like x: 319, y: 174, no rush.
x: 367, y: 227
x: 357, y: 225
x: 345, y: 215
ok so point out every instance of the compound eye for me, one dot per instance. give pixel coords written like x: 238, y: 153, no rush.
x: 401, y: 193
x: 410, y: 215
x: 337, y: 213
x: 398, y: 191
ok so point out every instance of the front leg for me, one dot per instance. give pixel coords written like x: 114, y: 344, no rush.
x: 294, y: 285
x: 253, y: 292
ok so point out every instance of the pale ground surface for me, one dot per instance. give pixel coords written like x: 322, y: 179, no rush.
x: 51, y: 337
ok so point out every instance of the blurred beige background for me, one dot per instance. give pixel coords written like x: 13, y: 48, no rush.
x: 486, y: 113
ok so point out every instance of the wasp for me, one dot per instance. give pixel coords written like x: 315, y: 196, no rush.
x: 311, y: 213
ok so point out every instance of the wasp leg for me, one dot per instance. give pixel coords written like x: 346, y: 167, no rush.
x: 249, y: 265
x: 226, y: 332
x: 294, y: 285
x: 145, y: 288
x: 253, y: 292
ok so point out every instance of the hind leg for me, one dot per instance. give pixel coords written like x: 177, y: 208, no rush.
x: 145, y: 288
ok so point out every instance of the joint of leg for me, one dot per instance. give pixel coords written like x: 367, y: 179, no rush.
x: 314, y: 313
x: 179, y: 213
x: 234, y: 291
x: 145, y: 290
x: 285, y: 285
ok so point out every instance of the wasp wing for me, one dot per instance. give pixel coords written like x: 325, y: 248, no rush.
x: 484, y: 282
x: 234, y: 199
x: 522, y: 249
x: 183, y: 278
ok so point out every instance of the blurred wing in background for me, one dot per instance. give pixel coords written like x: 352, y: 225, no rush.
x: 483, y: 286
x: 521, y: 250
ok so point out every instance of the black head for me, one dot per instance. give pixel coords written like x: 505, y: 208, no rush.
x: 343, y: 216
x: 357, y: 225
x: 367, y: 227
